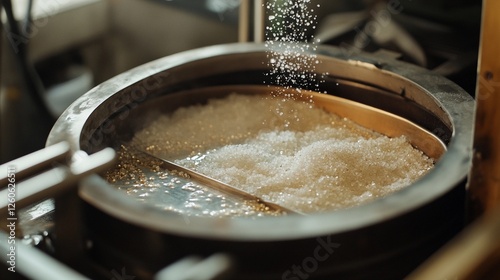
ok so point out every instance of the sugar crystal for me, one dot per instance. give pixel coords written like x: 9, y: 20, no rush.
x: 307, y: 159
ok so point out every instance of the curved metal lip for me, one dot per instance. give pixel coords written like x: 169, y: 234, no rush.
x: 451, y: 169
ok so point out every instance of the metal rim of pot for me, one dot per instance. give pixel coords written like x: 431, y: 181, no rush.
x: 455, y: 108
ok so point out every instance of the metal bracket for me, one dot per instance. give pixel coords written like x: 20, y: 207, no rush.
x: 53, y: 172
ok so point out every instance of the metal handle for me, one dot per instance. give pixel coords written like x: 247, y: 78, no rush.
x: 49, y: 173
x: 42, y: 174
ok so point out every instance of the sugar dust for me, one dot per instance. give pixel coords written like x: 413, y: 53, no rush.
x: 291, y: 45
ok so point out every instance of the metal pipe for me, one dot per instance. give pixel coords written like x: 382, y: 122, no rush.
x: 49, y: 178
x: 259, y: 21
x: 251, y: 18
x: 244, y: 21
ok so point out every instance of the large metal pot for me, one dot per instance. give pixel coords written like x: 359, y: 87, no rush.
x: 386, y: 238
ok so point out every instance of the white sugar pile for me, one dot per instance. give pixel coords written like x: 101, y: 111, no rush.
x: 297, y: 156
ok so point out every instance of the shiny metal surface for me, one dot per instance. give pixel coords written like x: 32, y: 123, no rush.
x: 212, y: 184
x: 35, y: 162
x: 112, y: 111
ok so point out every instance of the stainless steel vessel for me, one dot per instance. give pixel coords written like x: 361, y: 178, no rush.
x: 386, y: 238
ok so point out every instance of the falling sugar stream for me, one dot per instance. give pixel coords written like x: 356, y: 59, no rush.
x: 290, y: 49
x: 290, y: 45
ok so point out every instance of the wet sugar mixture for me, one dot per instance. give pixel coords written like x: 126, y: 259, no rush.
x: 146, y: 179
x: 287, y: 152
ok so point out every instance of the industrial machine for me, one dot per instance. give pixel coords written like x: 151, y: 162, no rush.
x: 394, y: 66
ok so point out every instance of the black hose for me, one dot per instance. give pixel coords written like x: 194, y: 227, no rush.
x: 19, y: 45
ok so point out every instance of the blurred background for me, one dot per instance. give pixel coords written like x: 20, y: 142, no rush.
x: 54, y: 51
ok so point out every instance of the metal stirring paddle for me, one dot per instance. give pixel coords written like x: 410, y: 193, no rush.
x: 220, y: 186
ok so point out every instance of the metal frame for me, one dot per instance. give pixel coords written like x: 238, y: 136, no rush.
x: 46, y: 174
